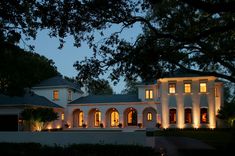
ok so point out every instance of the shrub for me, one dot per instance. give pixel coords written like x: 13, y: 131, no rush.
x: 84, y: 125
x: 158, y: 125
x: 101, y: 125
x: 120, y: 125
x: 139, y: 125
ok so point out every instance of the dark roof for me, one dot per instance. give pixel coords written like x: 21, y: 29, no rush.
x: 106, y: 99
x: 58, y: 81
x: 29, y: 99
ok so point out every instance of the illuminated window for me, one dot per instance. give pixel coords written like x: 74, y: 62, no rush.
x: 149, y: 116
x: 132, y: 118
x: 62, y: 116
x: 114, y: 119
x: 203, y: 87
x: 204, y: 115
x: 187, y: 88
x: 69, y: 95
x: 55, y: 95
x: 80, y: 120
x: 97, y: 118
x: 172, y: 88
x: 188, y: 115
x: 172, y: 116
x: 149, y: 94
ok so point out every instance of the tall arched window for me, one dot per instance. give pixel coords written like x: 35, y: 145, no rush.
x: 114, y: 119
x: 188, y: 115
x: 97, y: 118
x: 132, y: 118
x: 204, y: 115
x: 80, y: 121
x: 172, y: 116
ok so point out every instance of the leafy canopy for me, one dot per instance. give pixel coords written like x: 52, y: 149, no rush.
x: 197, y: 36
x: 20, y: 69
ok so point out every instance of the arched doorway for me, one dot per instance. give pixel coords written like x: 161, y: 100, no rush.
x: 131, y: 117
x: 78, y: 118
x: 94, y: 117
x: 112, y: 118
x: 149, y: 117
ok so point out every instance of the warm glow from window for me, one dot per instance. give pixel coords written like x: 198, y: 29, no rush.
x: 69, y: 95
x: 62, y: 116
x: 80, y: 121
x: 203, y: 115
x: 188, y: 115
x: 203, y: 88
x: 172, y: 88
x: 149, y: 116
x: 149, y: 94
x: 97, y: 118
x: 172, y: 116
x: 132, y: 118
x: 55, y: 95
x: 187, y: 88
x: 114, y: 119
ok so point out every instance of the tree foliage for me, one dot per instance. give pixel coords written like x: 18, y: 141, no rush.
x: 39, y: 117
x: 197, y: 36
x: 130, y: 87
x: 99, y: 87
x: 20, y: 69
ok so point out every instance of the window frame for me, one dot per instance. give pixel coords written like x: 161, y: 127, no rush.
x: 185, y: 115
x: 55, y: 96
x: 200, y: 89
x: 190, y: 87
x: 169, y: 87
x: 148, y: 94
x: 174, y: 116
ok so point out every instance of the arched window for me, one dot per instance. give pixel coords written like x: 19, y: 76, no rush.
x: 188, y: 115
x: 114, y: 119
x: 172, y: 116
x: 97, y: 118
x: 81, y: 116
x: 132, y: 118
x: 204, y: 115
x: 149, y: 116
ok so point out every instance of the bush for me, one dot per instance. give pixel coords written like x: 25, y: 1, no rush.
x: 120, y: 125
x: 101, y: 125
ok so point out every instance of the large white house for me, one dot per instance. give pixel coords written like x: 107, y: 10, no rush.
x: 176, y: 101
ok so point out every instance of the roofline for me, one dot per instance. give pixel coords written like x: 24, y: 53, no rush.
x: 119, y: 103
x: 187, y: 77
x: 24, y: 105
x: 60, y: 86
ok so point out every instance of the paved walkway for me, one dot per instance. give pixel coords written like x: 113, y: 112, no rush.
x: 170, y: 145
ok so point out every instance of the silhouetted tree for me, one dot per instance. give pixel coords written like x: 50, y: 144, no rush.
x: 99, y: 87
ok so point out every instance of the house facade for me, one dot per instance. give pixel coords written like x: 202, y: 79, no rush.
x: 176, y: 101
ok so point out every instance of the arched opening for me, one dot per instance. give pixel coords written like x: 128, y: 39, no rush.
x: 112, y: 118
x: 78, y: 118
x: 94, y: 118
x: 188, y: 115
x: 131, y: 117
x: 204, y: 115
x: 172, y: 116
x: 149, y: 117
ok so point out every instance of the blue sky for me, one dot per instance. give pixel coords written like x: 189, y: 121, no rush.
x: 68, y: 55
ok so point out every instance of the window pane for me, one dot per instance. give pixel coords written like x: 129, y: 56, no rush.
x: 203, y: 87
x: 172, y: 88
x: 114, y: 118
x: 149, y: 116
x: 204, y: 115
x: 81, y: 118
x: 188, y: 116
x: 187, y: 88
x: 150, y: 94
x: 172, y: 116
x: 97, y: 118
x: 146, y: 94
x: 55, y: 95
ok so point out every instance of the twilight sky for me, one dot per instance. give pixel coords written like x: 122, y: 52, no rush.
x: 68, y: 55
